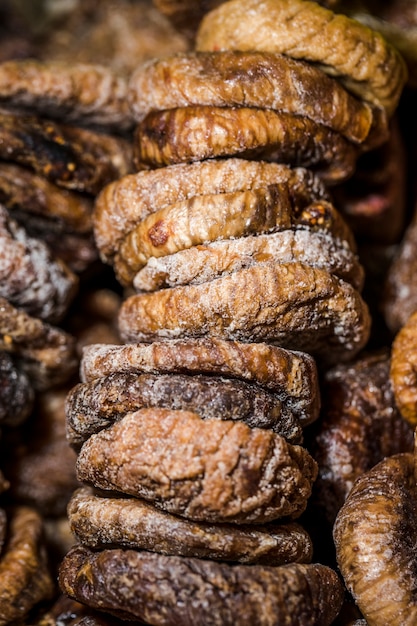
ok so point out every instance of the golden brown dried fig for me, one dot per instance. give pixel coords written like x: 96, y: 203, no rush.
x: 375, y: 536
x: 365, y: 63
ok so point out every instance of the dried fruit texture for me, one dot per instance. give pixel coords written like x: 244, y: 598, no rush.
x: 30, y: 278
x: 374, y: 200
x: 292, y: 376
x: 362, y: 60
x: 201, y: 219
x: 399, y: 300
x: 37, y: 459
x: 69, y: 156
x: 25, y: 192
x: 16, y: 393
x: 45, y: 353
x: 24, y: 576
x: 124, y: 203
x: 166, y: 590
x: 213, y: 217
x: 397, y: 23
x: 186, y: 14
x: 96, y: 405
x: 73, y: 93
x: 204, y: 470
x: 248, y: 79
x: 116, y: 33
x: 292, y: 305
x: 404, y: 368
x: 101, y: 522
x: 197, y: 133
x: 205, y: 262
x: 374, y: 536
x: 360, y: 426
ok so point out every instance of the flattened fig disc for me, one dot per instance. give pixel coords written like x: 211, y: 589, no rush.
x: 173, y: 590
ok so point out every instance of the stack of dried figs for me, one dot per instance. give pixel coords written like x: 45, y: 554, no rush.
x: 228, y: 454
x: 190, y: 434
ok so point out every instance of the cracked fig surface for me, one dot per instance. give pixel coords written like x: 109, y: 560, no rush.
x: 205, y: 470
x: 100, y: 522
x: 290, y: 304
x: 165, y: 590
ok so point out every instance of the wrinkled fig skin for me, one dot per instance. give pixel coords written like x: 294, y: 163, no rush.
x: 71, y: 157
x: 125, y: 202
x: 202, y: 220
x: 205, y: 470
x: 96, y: 405
x: 24, y: 575
x: 30, y: 278
x: 197, y: 133
x: 403, y: 370
x: 292, y: 305
x: 165, y: 591
x: 248, y: 79
x: 16, y: 393
x: 375, y: 537
x: 363, y: 61
x: 292, y: 376
x: 208, y: 261
x: 103, y: 522
x: 75, y: 93
x: 45, y: 353
x: 359, y: 426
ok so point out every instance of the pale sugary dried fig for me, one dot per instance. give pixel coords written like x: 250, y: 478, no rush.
x: 214, y: 217
x: 125, y: 202
x: 292, y: 305
x: 366, y: 64
x: 72, y: 157
x: 291, y: 376
x: 30, y: 278
x: 101, y: 522
x: 403, y: 370
x: 374, y: 534
x: 248, y: 79
x: 205, y: 262
x: 177, y: 590
x: 190, y: 134
x: 74, y: 93
x: 25, y: 579
x: 202, y: 219
x: 205, y: 470
x: 90, y: 407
